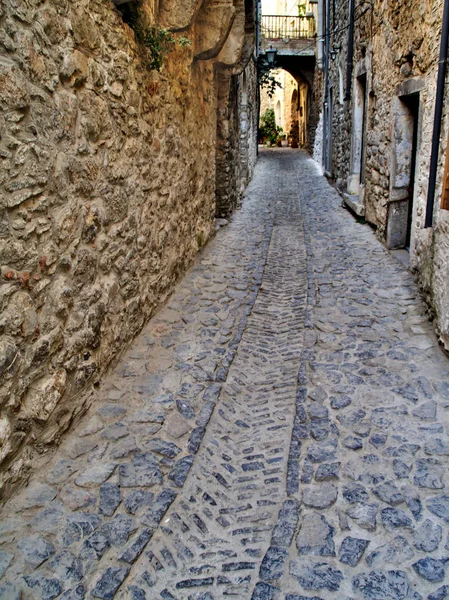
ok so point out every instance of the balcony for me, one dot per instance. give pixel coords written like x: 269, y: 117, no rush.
x: 282, y: 27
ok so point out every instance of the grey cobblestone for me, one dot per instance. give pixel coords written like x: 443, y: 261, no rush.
x: 366, y: 362
x: 278, y: 431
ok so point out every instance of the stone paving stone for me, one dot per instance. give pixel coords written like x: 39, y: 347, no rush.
x: 35, y: 549
x: 5, y: 561
x: 395, y: 552
x: 78, y: 593
x: 278, y: 431
x: 316, y: 536
x: 109, y: 582
x: 351, y: 550
x: 388, y: 585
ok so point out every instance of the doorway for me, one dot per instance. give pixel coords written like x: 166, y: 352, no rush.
x: 361, y: 82
x: 356, y: 179
x: 328, y: 141
x: 412, y: 102
x: 400, y: 208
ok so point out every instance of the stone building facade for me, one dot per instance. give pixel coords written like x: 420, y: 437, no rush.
x: 111, y: 176
x: 379, y: 65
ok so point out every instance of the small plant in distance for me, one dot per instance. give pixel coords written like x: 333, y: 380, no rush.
x: 157, y: 41
x: 268, y: 130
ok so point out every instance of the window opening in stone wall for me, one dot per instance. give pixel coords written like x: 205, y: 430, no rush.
x: 244, y: 89
x: 445, y: 194
x: 357, y: 169
x: 328, y: 123
x: 128, y: 11
x: 341, y: 81
x: 249, y: 12
x: 413, y: 106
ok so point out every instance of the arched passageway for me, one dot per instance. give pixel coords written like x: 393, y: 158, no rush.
x: 291, y: 105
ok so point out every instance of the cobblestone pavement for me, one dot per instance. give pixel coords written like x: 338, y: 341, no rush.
x: 280, y: 431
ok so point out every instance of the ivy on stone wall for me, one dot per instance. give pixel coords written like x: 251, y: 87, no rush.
x: 156, y: 41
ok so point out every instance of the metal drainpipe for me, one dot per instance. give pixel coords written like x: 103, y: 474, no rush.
x: 321, y: 37
x: 350, y: 50
x: 327, y: 31
x: 439, y: 101
x: 258, y: 24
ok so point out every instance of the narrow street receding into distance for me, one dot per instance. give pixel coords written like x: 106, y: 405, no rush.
x: 279, y: 431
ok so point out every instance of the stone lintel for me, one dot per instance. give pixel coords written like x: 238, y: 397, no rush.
x: 411, y: 86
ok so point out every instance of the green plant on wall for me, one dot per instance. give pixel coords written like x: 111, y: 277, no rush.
x: 157, y: 41
x: 302, y: 9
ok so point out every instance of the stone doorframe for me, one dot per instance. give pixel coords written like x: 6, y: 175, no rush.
x: 355, y: 195
x: 404, y: 124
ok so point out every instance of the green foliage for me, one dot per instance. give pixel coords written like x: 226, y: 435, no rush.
x: 184, y: 42
x: 268, y: 130
x: 157, y: 41
x: 266, y: 81
x: 302, y: 9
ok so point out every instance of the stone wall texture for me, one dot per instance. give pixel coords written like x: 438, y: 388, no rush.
x: 396, y: 47
x: 237, y: 136
x: 107, y: 192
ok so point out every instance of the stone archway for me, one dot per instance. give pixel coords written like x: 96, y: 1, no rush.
x: 303, y: 71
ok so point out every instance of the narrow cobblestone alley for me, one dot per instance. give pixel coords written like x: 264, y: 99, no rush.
x: 279, y: 431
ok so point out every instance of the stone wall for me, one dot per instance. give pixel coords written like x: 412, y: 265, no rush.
x: 107, y: 192
x: 396, y: 48
x: 248, y: 103
x: 317, y: 108
x: 237, y: 135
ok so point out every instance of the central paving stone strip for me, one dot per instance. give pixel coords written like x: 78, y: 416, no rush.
x: 279, y: 431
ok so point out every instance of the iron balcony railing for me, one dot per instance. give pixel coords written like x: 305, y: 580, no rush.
x: 277, y: 27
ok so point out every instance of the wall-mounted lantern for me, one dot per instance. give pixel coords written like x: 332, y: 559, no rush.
x: 271, y: 55
x: 335, y: 50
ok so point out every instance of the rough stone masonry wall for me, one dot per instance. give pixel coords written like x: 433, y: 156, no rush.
x: 248, y: 102
x: 431, y: 256
x: 107, y: 191
x: 400, y: 41
x: 237, y: 135
x: 343, y: 107
x: 405, y: 46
